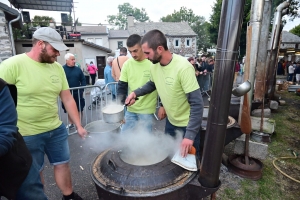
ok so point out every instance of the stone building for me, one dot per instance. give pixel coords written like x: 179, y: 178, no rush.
x: 7, y: 14
x: 180, y: 36
x: 289, y: 47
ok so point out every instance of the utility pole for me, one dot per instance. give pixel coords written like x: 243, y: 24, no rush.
x: 73, y: 6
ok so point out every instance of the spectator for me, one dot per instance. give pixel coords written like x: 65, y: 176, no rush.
x: 118, y: 63
x: 236, y: 70
x: 291, y: 72
x: 108, y: 76
x: 75, y: 78
x: 196, y: 67
x: 86, y: 74
x: 40, y: 80
x: 280, y: 70
x: 297, y: 72
x: 93, y: 72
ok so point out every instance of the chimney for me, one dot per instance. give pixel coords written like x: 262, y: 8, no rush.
x: 130, y: 22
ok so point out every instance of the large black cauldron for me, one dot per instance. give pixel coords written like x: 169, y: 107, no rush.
x: 115, y: 179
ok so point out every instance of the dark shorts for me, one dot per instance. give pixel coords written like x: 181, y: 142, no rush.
x: 80, y: 104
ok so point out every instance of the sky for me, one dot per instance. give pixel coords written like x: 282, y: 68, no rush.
x: 96, y: 11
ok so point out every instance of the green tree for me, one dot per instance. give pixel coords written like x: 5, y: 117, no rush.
x: 126, y: 9
x: 197, y: 23
x: 41, y: 20
x: 292, y: 9
x: 70, y: 21
x: 295, y: 30
x: 213, y: 27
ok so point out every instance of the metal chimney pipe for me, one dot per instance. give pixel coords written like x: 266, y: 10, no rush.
x: 257, y: 8
x: 261, y: 69
x: 272, y: 54
x: 276, y: 24
x: 227, y: 51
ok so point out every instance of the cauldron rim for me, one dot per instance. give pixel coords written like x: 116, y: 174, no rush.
x: 142, y: 193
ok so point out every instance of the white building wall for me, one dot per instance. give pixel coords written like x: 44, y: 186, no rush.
x: 113, y: 43
x: 80, y: 51
x: 92, y: 38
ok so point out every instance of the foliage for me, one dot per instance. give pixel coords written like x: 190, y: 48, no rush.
x: 70, y: 21
x: 296, y: 30
x: 197, y: 23
x: 41, y: 20
x: 126, y: 9
x: 213, y: 27
x: 292, y: 9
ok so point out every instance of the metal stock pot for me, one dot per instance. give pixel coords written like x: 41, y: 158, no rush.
x: 113, y: 113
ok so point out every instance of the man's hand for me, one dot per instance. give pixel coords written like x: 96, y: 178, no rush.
x: 82, y: 132
x: 161, y: 113
x: 130, y: 100
x: 185, y: 146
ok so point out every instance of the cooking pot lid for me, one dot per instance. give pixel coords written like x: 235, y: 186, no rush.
x: 111, y: 173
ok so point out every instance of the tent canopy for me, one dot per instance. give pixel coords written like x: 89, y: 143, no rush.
x: 49, y: 5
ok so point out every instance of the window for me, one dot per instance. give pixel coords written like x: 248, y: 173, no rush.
x: 99, y: 41
x: 26, y: 45
x: 120, y: 44
x: 176, y: 42
x: 90, y: 39
x: 188, y: 42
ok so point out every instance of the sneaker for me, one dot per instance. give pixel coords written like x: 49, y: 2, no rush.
x: 70, y: 126
x: 76, y: 197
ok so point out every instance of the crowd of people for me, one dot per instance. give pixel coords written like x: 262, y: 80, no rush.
x: 290, y: 69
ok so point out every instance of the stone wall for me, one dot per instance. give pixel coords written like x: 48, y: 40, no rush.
x: 5, y: 44
x: 183, y: 50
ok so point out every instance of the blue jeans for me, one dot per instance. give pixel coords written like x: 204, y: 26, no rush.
x: 55, y: 144
x: 135, y: 120
x: 290, y: 77
x: 171, y: 130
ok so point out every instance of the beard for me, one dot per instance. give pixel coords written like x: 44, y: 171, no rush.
x: 156, y: 58
x: 45, y: 57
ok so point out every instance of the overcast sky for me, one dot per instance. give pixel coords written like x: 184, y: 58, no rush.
x: 96, y: 11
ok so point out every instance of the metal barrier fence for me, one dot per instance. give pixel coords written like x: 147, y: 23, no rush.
x: 90, y: 100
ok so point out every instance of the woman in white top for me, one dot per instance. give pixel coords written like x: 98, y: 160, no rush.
x: 291, y: 72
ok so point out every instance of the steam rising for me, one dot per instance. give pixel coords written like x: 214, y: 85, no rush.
x: 138, y: 147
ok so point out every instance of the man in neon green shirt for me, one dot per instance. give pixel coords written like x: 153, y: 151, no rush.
x: 135, y: 73
x: 40, y: 80
x: 174, y: 79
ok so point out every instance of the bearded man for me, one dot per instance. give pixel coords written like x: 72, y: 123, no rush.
x: 40, y: 80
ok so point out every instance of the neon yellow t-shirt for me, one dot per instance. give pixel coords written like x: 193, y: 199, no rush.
x: 39, y: 85
x: 172, y: 83
x: 136, y: 74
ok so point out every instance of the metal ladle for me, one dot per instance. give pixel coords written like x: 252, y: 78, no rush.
x: 242, y: 89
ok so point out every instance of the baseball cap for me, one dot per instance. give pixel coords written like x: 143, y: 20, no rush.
x: 51, y: 36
